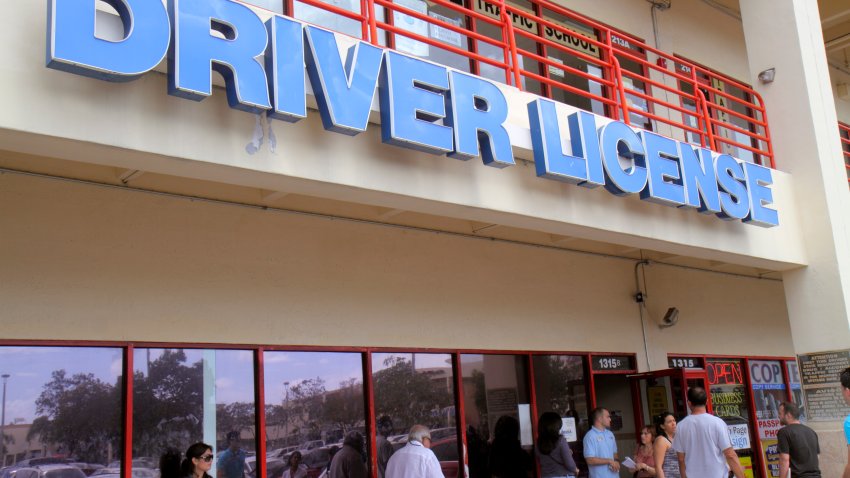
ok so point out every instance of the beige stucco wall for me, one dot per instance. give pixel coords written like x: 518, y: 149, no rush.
x: 83, y: 262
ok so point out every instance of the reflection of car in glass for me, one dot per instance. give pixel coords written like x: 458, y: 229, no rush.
x: 274, y: 467
x: 116, y: 473
x: 88, y: 468
x: 446, y: 451
x: 317, y: 460
x: 137, y: 463
x: 50, y: 471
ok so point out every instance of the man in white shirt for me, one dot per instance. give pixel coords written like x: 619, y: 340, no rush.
x: 415, y: 460
x: 702, y: 442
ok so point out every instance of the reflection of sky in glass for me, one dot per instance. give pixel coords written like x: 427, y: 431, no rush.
x: 295, y: 367
x: 30, y: 368
x: 234, y: 371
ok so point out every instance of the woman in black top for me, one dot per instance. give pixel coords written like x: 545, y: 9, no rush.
x: 507, y: 458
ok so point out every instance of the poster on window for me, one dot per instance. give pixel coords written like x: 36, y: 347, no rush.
x: 413, y: 25
x: 444, y: 34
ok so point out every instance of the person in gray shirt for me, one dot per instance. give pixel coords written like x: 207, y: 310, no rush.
x: 553, y: 452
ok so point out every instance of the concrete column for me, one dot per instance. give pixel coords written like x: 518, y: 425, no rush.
x: 786, y: 35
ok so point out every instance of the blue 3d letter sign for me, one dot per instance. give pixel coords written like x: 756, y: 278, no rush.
x: 423, y: 106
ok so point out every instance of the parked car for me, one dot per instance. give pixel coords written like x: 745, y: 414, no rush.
x: 139, y: 472
x: 446, y: 451
x: 274, y: 467
x: 88, y: 468
x: 51, y: 471
x: 317, y: 460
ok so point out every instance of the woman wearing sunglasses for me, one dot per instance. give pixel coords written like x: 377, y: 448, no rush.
x: 198, y: 461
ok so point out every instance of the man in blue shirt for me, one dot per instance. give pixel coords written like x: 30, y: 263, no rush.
x: 600, y: 447
x: 231, y: 462
x: 845, y: 390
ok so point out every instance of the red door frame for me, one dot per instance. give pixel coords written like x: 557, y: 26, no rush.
x: 745, y: 370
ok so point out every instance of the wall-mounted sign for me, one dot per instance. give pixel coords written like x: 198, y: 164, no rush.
x: 571, y: 36
x: 821, y: 385
x: 684, y: 362
x: 609, y: 363
x: 423, y: 106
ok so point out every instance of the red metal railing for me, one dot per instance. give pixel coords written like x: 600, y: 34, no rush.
x: 561, y: 54
x: 844, y: 134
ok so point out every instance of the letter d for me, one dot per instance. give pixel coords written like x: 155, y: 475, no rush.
x: 73, y: 47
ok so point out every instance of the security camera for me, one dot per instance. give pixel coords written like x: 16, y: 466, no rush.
x: 670, y: 319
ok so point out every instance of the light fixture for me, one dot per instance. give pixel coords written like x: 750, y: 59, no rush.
x: 670, y: 319
x: 767, y: 76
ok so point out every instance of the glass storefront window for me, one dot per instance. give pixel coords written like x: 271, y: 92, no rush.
x: 184, y: 396
x: 312, y: 400
x: 768, y: 387
x: 63, y: 402
x: 496, y: 401
x: 729, y: 401
x: 415, y: 389
x: 560, y: 386
x: 793, y: 371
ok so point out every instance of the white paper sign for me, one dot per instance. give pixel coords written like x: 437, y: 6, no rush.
x: 525, y: 435
x: 740, y: 436
x: 413, y: 25
x: 568, y: 428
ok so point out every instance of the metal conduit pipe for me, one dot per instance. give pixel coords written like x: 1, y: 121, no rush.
x: 640, y: 297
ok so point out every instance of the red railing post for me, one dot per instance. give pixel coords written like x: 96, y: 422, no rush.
x: 709, y: 130
x: 624, y: 103
x: 509, y: 25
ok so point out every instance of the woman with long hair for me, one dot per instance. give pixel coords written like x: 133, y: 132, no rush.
x: 507, y: 458
x: 198, y: 461
x: 553, y: 452
x: 294, y: 467
x: 666, y: 461
x: 644, y: 456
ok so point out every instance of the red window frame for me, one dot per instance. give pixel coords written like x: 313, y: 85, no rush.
x: 128, y: 348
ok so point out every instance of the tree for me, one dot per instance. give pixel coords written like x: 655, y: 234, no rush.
x: 81, y: 414
x: 235, y: 416
x: 344, y: 407
x: 306, y: 407
x: 409, y: 396
x: 168, y: 404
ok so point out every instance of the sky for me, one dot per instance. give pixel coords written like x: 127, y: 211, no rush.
x: 30, y: 368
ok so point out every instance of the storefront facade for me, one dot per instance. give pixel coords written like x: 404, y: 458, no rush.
x: 182, y: 269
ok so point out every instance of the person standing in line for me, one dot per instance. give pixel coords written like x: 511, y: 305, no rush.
x: 231, y: 462
x: 666, y: 460
x: 507, y: 458
x: 645, y: 456
x: 600, y: 447
x: 845, y: 390
x: 198, y: 461
x: 798, y: 444
x: 385, y: 448
x: 348, y: 461
x: 553, y: 452
x: 415, y: 460
x: 702, y: 442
